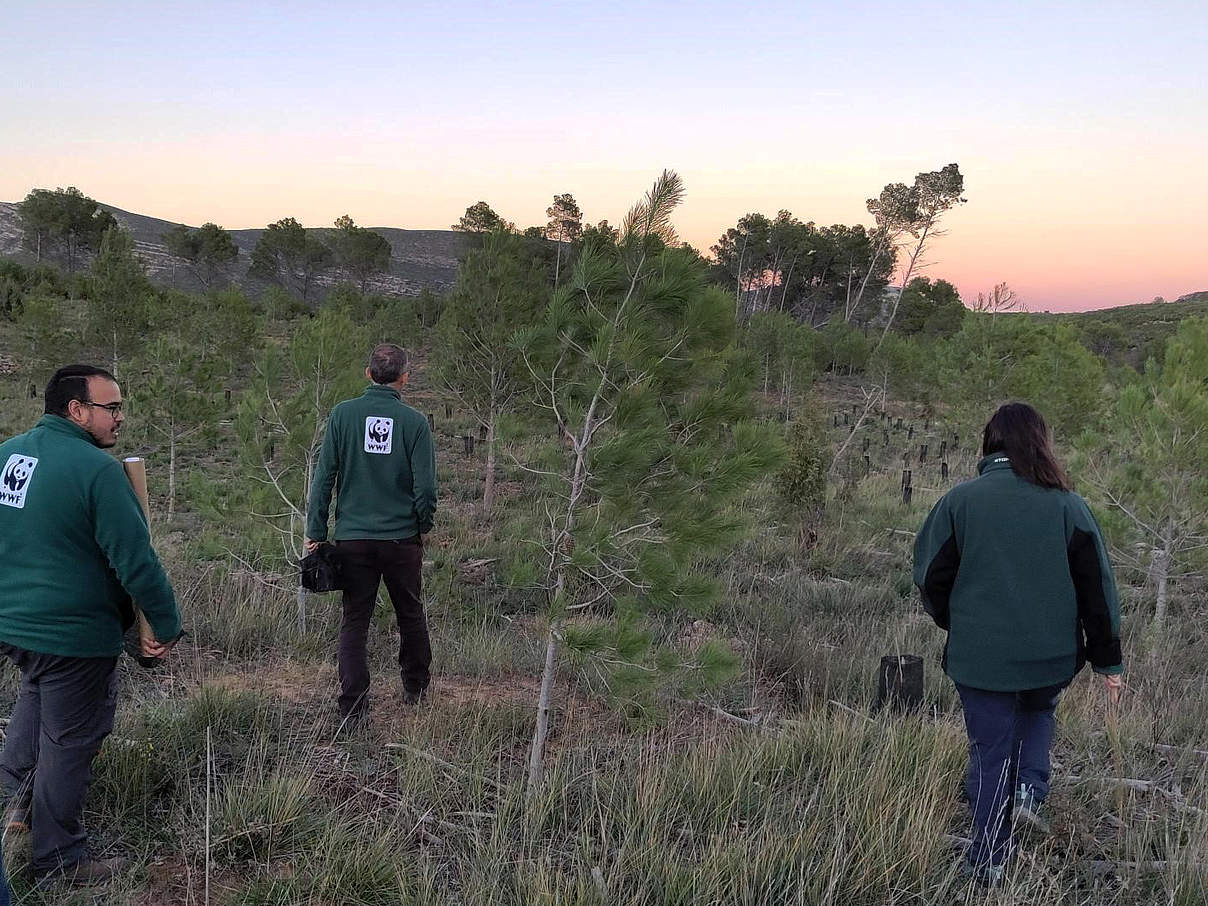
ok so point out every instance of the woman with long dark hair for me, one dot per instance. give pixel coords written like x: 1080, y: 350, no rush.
x: 1013, y: 565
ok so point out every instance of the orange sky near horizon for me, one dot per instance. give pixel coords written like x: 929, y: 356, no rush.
x: 1088, y: 251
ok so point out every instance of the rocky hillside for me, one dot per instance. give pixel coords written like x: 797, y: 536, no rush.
x: 420, y: 259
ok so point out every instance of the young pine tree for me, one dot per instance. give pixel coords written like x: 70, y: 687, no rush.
x: 1151, y: 464
x: 500, y: 289
x: 633, y: 359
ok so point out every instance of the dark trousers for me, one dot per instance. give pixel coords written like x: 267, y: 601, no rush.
x: 1010, y: 736
x: 365, y: 564
x: 64, y: 711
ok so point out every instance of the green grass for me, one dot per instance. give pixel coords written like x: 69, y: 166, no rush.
x: 803, y: 800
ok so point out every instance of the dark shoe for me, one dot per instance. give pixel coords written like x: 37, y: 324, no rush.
x: 16, y: 818
x: 414, y: 696
x: 84, y: 873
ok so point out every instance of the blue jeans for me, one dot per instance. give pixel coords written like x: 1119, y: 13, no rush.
x: 1010, y: 735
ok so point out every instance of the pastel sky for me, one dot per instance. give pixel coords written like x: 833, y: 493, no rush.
x: 1081, y: 127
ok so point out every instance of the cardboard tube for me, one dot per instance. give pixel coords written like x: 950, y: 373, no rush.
x: 136, y: 473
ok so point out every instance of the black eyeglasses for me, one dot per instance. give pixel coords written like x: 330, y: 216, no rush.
x: 114, y: 409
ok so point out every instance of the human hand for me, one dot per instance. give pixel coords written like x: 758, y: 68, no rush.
x: 311, y: 546
x: 153, y: 648
x: 1113, y: 683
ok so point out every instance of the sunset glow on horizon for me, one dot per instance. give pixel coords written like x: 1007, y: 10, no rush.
x: 1080, y: 131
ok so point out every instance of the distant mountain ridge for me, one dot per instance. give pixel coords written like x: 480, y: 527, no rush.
x: 420, y: 259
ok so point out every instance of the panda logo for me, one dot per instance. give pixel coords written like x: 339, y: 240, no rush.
x: 379, y: 434
x: 14, y: 480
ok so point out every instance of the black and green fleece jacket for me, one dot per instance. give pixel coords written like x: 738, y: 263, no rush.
x: 1018, y: 574
x: 378, y: 454
x: 74, y: 547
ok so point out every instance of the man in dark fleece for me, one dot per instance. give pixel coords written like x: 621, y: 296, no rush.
x: 378, y: 455
x: 75, y: 553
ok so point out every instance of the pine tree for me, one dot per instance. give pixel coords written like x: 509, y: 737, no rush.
x: 499, y: 290
x: 633, y: 359
x: 282, y: 416
x: 1150, y: 465
x: 122, y: 304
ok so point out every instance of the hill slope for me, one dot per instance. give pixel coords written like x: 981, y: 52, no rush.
x: 420, y: 259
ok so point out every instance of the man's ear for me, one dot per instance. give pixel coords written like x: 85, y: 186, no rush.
x: 368, y: 375
x: 403, y: 378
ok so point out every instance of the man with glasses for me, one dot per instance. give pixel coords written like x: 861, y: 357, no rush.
x: 75, y: 552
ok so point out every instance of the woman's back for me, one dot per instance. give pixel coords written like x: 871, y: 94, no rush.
x: 997, y: 562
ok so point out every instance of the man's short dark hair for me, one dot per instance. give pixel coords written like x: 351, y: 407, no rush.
x: 71, y: 383
x: 387, y: 363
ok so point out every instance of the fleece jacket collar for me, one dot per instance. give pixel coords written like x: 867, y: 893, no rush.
x: 995, y: 462
x: 61, y: 425
x: 382, y: 390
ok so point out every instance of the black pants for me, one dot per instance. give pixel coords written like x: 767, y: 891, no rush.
x: 365, y: 565
x: 64, y: 711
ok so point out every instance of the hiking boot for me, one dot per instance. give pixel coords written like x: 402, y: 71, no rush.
x: 1025, y: 810
x: 16, y: 818
x: 983, y: 875
x: 84, y: 873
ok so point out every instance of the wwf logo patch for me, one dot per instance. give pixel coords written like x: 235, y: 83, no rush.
x: 14, y: 480
x: 379, y: 434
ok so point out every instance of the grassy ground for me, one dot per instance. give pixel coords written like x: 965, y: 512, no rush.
x: 229, y: 772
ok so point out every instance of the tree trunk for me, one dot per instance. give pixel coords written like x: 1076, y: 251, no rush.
x: 537, y: 752
x: 558, y: 260
x: 1161, y: 573
x: 301, y: 609
x: 738, y: 284
x: 488, y: 485
x: 918, y: 250
x: 784, y: 292
x: 171, y: 470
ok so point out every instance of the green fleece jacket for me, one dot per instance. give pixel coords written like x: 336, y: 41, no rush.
x: 378, y: 455
x: 1018, y: 574
x: 74, y: 547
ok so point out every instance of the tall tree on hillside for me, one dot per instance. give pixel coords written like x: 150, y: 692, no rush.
x: 290, y: 256
x: 633, y: 360
x: 917, y: 212
x: 122, y: 304
x: 362, y: 253
x: 894, y: 211
x: 65, y: 220
x: 500, y: 289
x: 565, y: 225
x: 480, y: 218
x: 1150, y: 465
x: 741, y: 254
x: 206, y: 250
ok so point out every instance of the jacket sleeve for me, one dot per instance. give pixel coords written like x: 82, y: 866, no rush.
x: 318, y: 503
x: 423, y: 477
x: 120, y: 531
x: 1095, y: 587
x: 937, y: 558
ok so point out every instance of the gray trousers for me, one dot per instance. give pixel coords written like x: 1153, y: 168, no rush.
x: 64, y: 711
